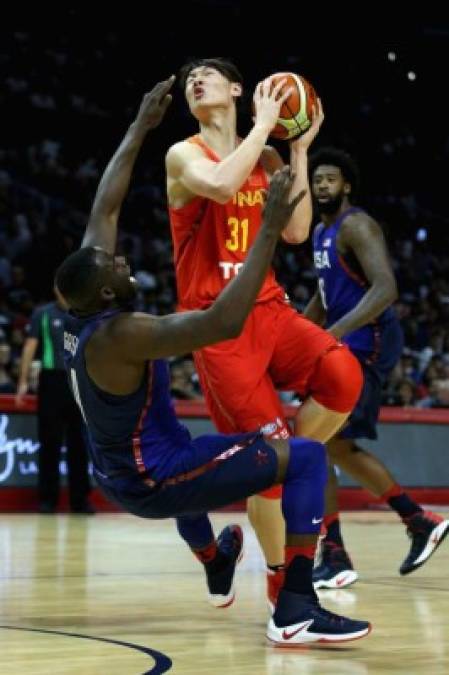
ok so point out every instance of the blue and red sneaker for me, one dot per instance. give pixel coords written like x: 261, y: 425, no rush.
x: 300, y: 619
x: 426, y: 531
x: 335, y: 569
x: 221, y: 584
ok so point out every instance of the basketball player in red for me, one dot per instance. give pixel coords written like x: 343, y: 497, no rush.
x: 216, y: 184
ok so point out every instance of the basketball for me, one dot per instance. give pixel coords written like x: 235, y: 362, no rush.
x: 296, y: 112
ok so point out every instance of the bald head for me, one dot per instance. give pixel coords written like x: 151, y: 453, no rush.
x: 81, y: 276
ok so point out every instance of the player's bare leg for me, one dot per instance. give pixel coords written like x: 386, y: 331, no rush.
x: 265, y: 516
x: 314, y: 420
x: 364, y: 467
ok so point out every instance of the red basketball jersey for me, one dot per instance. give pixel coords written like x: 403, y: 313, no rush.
x: 211, y: 240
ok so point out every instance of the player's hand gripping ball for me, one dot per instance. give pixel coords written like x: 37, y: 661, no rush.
x: 296, y: 112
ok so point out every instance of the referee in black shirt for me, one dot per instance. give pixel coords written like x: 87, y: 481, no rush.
x: 59, y: 418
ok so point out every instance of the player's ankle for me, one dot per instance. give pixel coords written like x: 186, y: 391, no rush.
x: 333, y: 533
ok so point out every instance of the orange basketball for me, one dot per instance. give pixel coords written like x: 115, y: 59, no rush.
x: 296, y: 112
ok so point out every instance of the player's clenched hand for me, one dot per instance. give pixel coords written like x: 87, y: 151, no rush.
x: 278, y: 208
x: 154, y: 104
x: 267, y: 102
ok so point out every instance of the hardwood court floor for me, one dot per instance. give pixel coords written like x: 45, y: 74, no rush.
x: 67, y: 579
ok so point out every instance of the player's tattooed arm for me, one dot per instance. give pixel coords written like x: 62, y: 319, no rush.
x: 362, y: 238
x: 102, y: 226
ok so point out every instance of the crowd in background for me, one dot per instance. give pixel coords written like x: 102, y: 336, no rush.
x: 62, y: 120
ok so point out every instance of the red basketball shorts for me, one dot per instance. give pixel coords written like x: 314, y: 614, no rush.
x: 279, y: 349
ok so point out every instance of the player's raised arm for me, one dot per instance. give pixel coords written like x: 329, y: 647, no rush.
x: 102, y: 226
x: 298, y: 228
x: 291, y: 120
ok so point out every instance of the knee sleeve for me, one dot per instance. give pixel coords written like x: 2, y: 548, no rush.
x: 303, y: 493
x: 307, y: 459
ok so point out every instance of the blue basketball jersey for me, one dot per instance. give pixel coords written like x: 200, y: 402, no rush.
x: 342, y: 287
x: 129, y: 435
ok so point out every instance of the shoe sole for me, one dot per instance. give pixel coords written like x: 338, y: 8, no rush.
x: 438, y: 535
x: 340, y: 580
x: 309, y: 638
x: 225, y: 601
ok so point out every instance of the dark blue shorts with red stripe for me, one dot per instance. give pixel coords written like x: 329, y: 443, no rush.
x: 376, y: 367
x: 212, y: 471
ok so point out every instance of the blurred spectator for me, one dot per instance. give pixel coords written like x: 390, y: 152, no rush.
x: 184, y: 380
x: 438, y: 395
x: 5, y: 267
x: 406, y: 393
x: 16, y: 236
x: 6, y: 382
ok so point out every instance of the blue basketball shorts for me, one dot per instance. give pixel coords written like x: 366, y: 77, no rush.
x: 363, y: 419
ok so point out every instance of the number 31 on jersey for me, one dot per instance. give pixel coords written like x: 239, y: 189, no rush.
x: 238, y: 231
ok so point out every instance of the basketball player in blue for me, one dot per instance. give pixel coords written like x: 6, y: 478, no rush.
x: 143, y: 458
x: 356, y: 288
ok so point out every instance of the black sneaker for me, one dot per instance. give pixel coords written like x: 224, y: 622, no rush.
x: 335, y: 569
x: 221, y: 584
x: 300, y: 619
x: 427, y: 531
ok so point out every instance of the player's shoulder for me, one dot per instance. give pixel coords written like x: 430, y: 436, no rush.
x: 181, y: 152
x: 271, y: 160
x: 318, y: 229
x: 119, y: 325
x: 359, y: 219
x: 116, y: 335
x: 41, y: 309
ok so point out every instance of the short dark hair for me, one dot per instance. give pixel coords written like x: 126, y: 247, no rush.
x: 340, y: 159
x: 224, y: 66
x: 78, y: 276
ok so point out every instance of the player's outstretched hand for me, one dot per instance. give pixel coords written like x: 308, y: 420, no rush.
x: 154, y: 104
